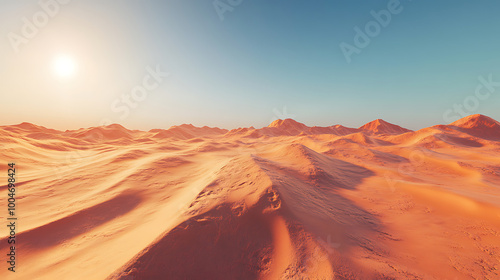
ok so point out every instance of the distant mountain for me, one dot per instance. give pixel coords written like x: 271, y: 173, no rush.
x: 187, y: 131
x: 478, y: 125
x: 380, y: 126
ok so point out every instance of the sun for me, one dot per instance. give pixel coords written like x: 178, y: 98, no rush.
x: 64, y: 66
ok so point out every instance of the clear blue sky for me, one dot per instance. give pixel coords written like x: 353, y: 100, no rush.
x: 243, y: 70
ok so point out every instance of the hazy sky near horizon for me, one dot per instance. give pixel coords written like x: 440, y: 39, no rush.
x: 74, y: 65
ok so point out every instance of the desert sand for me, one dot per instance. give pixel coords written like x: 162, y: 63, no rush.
x: 285, y: 201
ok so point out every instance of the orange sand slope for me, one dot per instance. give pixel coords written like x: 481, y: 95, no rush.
x: 286, y: 201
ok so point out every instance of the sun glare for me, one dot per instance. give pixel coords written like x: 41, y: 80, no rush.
x: 64, y: 66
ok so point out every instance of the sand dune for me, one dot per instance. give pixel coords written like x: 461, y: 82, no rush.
x: 187, y: 132
x: 479, y: 126
x: 380, y: 126
x: 286, y: 201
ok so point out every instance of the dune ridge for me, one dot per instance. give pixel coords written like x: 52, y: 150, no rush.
x: 285, y: 201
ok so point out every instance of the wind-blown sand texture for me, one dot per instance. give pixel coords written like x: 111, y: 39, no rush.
x: 285, y: 201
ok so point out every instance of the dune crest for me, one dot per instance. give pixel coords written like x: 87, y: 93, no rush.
x: 380, y: 126
x: 285, y: 201
x: 479, y: 126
